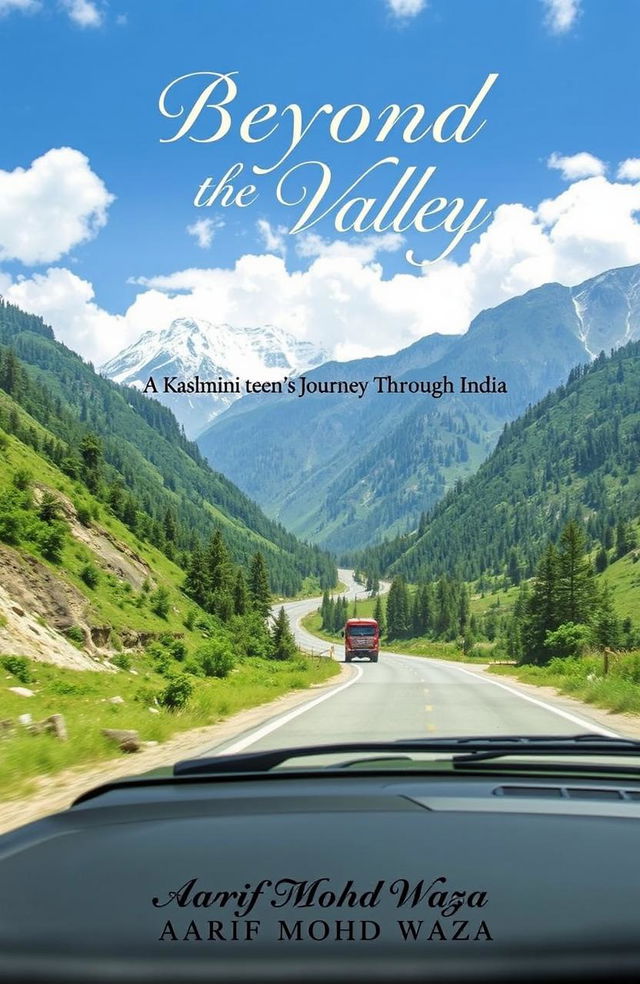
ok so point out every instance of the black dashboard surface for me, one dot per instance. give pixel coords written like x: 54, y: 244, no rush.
x: 366, y: 877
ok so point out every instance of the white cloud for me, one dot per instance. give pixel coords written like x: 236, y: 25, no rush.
x: 25, y: 6
x: 50, y: 207
x: 629, y: 170
x: 404, y: 9
x: 84, y: 13
x: 272, y: 236
x: 561, y: 15
x: 66, y: 302
x: 343, y: 300
x: 203, y: 231
x: 576, y: 166
x: 365, y: 249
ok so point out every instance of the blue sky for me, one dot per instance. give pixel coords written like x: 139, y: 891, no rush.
x: 96, y: 237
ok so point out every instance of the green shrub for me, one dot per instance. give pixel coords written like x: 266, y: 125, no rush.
x: 90, y: 575
x: 159, y: 602
x: 75, y: 634
x: 51, y: 540
x: 177, y: 693
x: 146, y: 696
x: 18, y: 666
x: 22, y: 479
x: 569, y: 640
x: 10, y: 526
x: 193, y: 667
x: 83, y: 513
x: 216, y: 658
x: 178, y: 649
x: 122, y: 661
x: 49, y: 508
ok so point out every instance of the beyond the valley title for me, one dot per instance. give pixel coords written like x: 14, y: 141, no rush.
x: 202, y: 105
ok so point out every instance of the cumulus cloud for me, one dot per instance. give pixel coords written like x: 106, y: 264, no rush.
x: 203, y: 231
x: 84, y: 13
x: 272, y: 236
x: 629, y: 170
x: 343, y: 300
x: 561, y: 15
x: 404, y: 9
x: 66, y: 302
x: 50, y: 207
x: 575, y: 166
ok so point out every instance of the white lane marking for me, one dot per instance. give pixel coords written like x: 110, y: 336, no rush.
x: 266, y: 729
x: 532, y: 700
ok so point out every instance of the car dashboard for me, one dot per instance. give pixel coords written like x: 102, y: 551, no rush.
x: 354, y: 874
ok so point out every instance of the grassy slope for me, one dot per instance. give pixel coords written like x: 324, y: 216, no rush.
x: 81, y: 695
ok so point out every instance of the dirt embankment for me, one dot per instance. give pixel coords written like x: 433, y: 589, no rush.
x: 38, y: 606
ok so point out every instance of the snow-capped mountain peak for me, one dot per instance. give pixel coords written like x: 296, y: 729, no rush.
x: 188, y: 348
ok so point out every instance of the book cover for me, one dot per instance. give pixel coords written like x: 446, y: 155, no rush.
x: 319, y: 429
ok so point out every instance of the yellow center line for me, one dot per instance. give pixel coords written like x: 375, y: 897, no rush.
x: 428, y: 707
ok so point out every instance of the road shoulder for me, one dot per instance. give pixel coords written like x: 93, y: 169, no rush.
x: 627, y: 725
x: 57, y: 792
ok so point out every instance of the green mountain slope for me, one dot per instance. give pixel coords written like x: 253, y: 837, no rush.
x: 575, y: 454
x: 156, y: 478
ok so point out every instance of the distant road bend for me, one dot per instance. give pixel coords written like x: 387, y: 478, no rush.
x: 405, y: 696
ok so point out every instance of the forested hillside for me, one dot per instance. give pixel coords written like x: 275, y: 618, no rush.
x: 575, y: 454
x: 346, y: 471
x: 133, y: 455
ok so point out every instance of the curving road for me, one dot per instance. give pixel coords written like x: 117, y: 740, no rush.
x: 405, y: 696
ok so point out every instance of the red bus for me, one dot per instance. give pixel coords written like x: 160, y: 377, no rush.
x: 361, y: 638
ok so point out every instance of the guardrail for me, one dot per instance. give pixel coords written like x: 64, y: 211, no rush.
x: 318, y: 653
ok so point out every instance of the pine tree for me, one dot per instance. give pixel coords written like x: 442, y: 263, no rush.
x: 513, y: 568
x: 91, y: 456
x: 445, y: 619
x: 607, y: 628
x: 378, y: 614
x: 601, y: 561
x: 398, y: 613
x: 625, y: 540
x: 328, y: 614
x: 576, y: 591
x: 259, y: 586
x: 195, y: 583
x: 240, y: 594
x: 284, y: 645
x: 541, y: 614
x: 170, y: 526
x: 219, y: 577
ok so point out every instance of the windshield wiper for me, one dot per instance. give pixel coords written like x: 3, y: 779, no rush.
x: 465, y: 751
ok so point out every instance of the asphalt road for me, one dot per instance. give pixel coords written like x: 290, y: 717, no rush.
x: 405, y: 696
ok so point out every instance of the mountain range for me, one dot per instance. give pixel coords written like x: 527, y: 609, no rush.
x: 189, y: 348
x: 344, y: 471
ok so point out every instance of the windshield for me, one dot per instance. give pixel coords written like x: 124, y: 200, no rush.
x: 361, y: 630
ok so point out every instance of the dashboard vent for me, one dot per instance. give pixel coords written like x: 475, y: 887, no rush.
x: 570, y: 792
